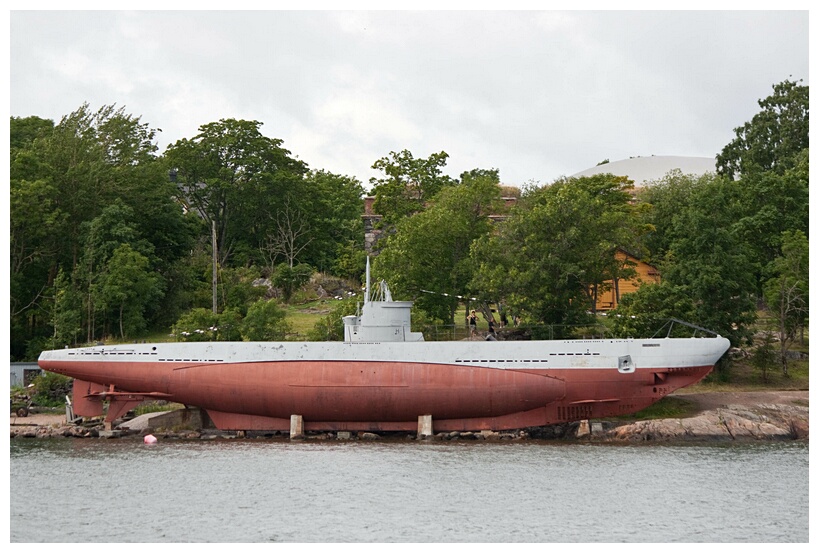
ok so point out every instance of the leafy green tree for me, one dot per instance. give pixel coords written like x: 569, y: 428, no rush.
x: 557, y: 247
x: 24, y: 130
x: 63, y: 177
x: 408, y: 183
x: 706, y: 256
x: 663, y: 201
x: 787, y: 293
x: 333, y: 205
x: 430, y: 250
x: 647, y: 310
x: 67, y: 318
x: 774, y: 137
x: 103, y: 236
x: 351, y: 259
x: 128, y: 287
x: 289, y: 279
x: 265, y: 321
x: 236, y: 178
x: 34, y: 222
x: 764, y: 357
x: 773, y: 203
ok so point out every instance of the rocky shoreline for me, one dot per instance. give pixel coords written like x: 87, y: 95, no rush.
x: 765, y: 416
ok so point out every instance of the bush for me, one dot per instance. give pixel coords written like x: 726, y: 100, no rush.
x: 50, y: 389
x: 197, y: 325
x: 202, y: 325
x: 331, y: 327
x: 289, y: 279
x: 265, y: 321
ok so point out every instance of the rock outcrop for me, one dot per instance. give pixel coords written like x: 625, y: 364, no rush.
x: 734, y: 422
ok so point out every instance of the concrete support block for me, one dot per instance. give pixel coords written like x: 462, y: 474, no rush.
x: 296, y: 427
x: 424, y: 426
x: 583, y: 430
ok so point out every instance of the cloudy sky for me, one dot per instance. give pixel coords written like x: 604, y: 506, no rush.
x: 535, y: 94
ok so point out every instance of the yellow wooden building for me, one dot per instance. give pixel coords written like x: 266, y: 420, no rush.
x: 610, y: 295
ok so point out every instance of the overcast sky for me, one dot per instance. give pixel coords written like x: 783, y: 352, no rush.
x: 535, y: 94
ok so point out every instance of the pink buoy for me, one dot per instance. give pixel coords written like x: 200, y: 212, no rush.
x: 149, y: 439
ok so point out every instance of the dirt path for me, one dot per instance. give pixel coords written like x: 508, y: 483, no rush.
x: 37, y: 420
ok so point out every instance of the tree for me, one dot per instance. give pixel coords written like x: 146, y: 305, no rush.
x: 645, y: 311
x: 24, y: 130
x: 103, y: 236
x: 235, y: 177
x: 772, y: 204
x: 265, y: 321
x: 787, y: 293
x: 290, y: 236
x: 67, y: 317
x: 407, y: 185
x: 701, y: 250
x: 63, y: 177
x: 430, y: 250
x: 773, y: 138
x: 332, y: 206
x: 765, y: 356
x: 128, y: 287
x: 237, y: 289
x: 557, y: 247
x: 289, y: 279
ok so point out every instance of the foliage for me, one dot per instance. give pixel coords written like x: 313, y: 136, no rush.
x: 65, y: 176
x: 235, y: 177
x: 50, y: 389
x: 330, y: 328
x: 351, y: 260
x: 643, y: 313
x: 774, y: 138
x: 557, y: 248
x: 332, y: 205
x: 408, y: 183
x: 787, y: 293
x: 764, y: 357
x: 236, y: 289
x: 197, y: 325
x: 67, y: 312
x: 430, y: 250
x: 772, y: 204
x: 701, y: 251
x: 265, y: 321
x: 289, y: 279
x: 202, y: 325
x: 128, y: 287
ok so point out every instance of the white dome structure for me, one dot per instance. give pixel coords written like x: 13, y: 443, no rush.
x: 645, y: 169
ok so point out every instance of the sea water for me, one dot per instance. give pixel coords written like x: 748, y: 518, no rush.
x: 95, y: 490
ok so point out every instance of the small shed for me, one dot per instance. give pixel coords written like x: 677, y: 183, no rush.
x: 23, y: 373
